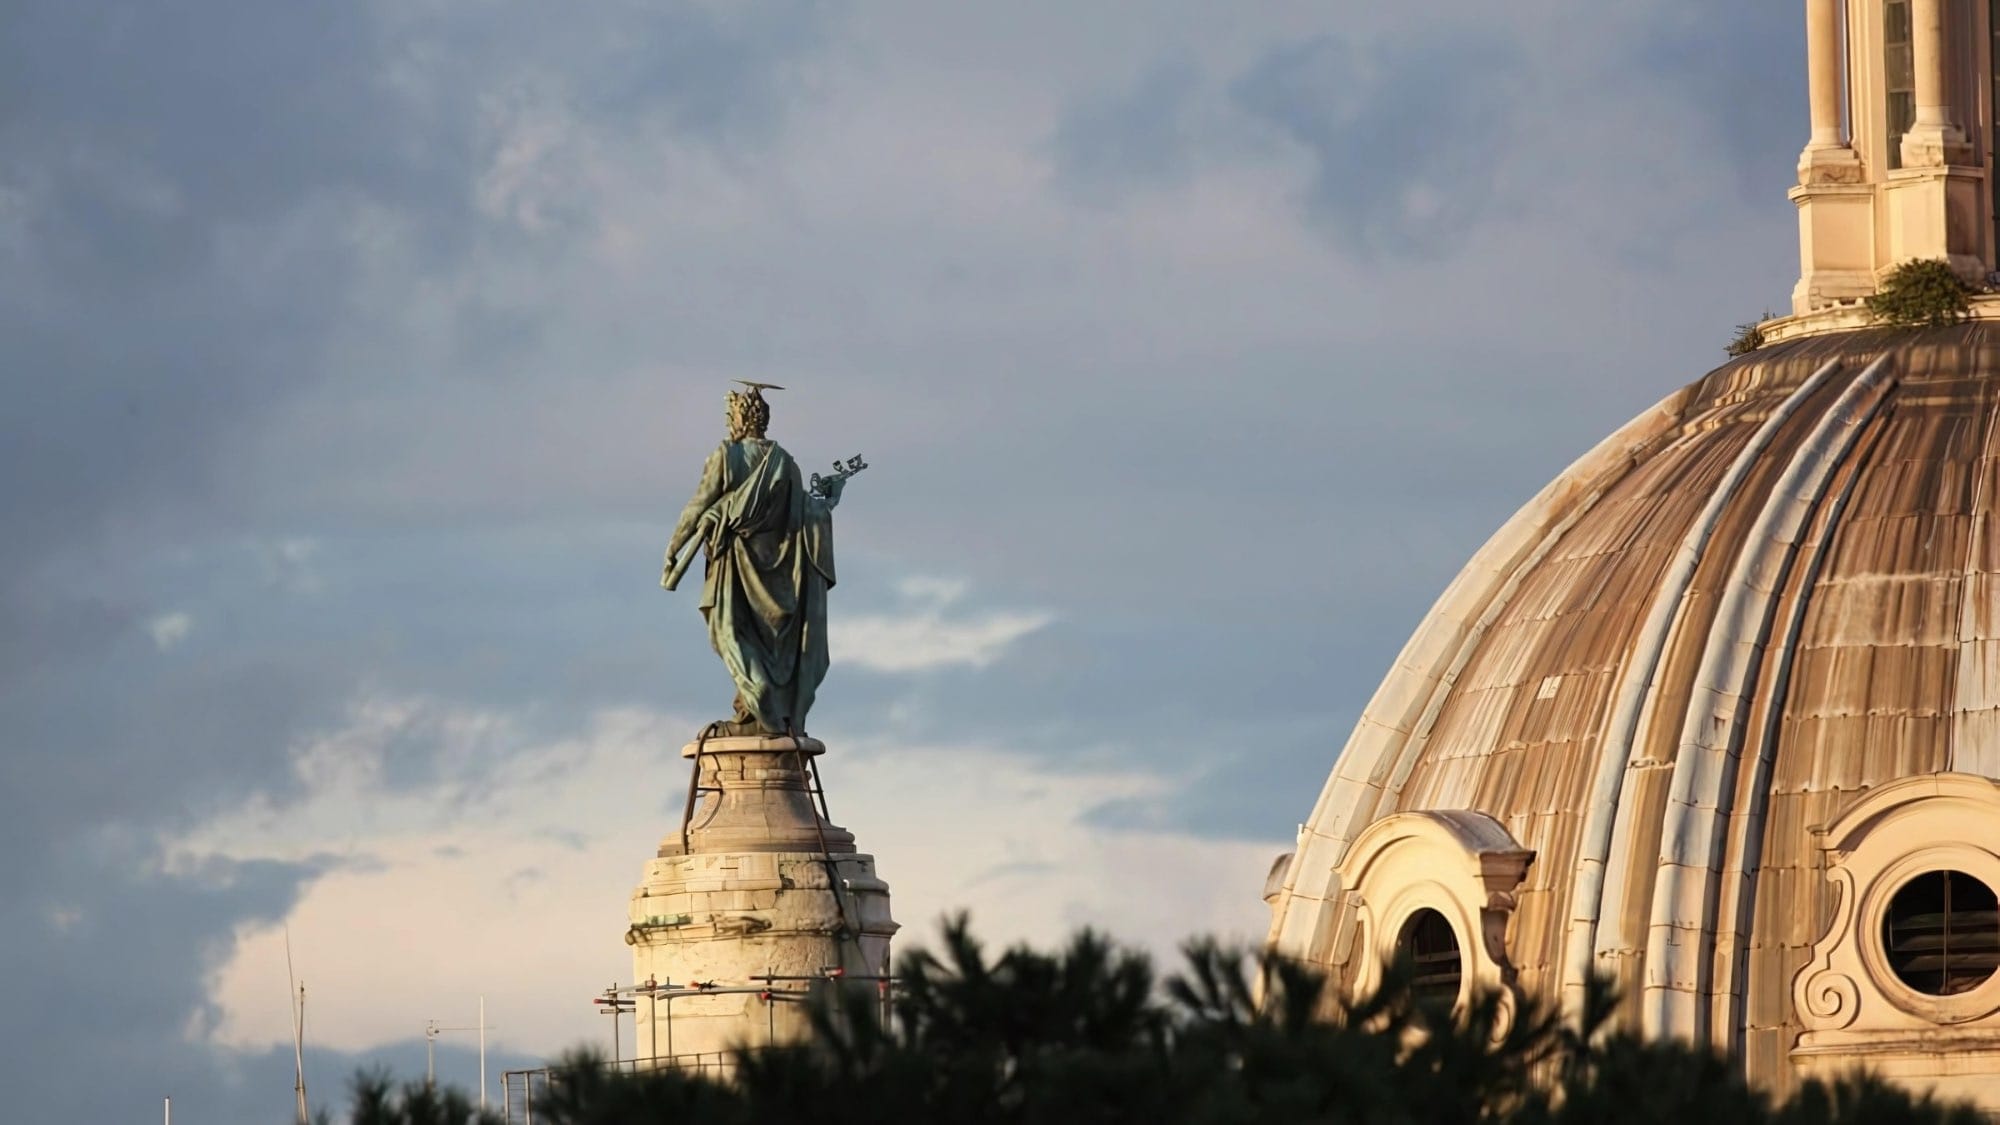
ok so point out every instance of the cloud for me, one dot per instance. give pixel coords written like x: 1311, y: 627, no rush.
x: 1130, y: 138
x: 288, y: 564
x: 1742, y: 70
x: 382, y: 341
x: 58, y: 950
x: 927, y: 635
x: 970, y: 825
x: 437, y: 902
x: 204, y: 215
x: 169, y: 629
x: 1401, y: 137
x: 446, y: 896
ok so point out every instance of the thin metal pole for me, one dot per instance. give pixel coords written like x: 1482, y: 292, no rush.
x: 298, y: 1006
x: 433, y: 1029
x: 170, y: 1112
x: 299, y: 1045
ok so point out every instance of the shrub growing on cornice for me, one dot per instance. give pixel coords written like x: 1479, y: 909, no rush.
x: 1749, y: 337
x: 1921, y: 294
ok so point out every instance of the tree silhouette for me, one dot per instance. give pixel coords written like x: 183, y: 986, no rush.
x: 1089, y: 1035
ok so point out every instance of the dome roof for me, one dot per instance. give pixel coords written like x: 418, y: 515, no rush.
x: 1767, y: 597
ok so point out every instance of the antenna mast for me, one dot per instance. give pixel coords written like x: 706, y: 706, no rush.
x: 298, y: 1004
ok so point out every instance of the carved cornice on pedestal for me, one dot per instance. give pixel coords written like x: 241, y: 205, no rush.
x: 1830, y: 164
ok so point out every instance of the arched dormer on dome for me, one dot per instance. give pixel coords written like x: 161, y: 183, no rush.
x: 1447, y: 876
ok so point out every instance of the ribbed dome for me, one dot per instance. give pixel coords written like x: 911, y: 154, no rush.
x: 1766, y: 597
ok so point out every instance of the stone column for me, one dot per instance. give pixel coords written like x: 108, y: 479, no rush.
x: 1927, y: 47
x: 1836, y: 206
x: 1827, y: 158
x: 1935, y: 206
x: 1823, y: 70
x: 1934, y: 140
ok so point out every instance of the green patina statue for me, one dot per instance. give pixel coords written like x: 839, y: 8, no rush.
x: 768, y: 540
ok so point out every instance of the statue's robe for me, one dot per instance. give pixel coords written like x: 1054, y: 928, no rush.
x: 769, y: 546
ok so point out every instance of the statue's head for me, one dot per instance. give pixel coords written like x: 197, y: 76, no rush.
x: 749, y: 414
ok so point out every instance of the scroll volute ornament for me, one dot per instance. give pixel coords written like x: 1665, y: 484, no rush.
x: 1896, y: 833
x: 1827, y: 998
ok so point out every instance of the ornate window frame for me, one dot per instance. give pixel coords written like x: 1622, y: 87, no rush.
x: 1961, y: 1007
x: 1848, y: 996
x: 1461, y: 863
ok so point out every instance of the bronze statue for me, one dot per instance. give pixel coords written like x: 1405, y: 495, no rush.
x: 768, y: 540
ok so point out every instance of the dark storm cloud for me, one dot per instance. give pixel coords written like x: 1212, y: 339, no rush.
x: 106, y: 956
x: 178, y: 189
x: 150, y: 150
x: 142, y: 140
x: 175, y: 179
x: 1401, y: 138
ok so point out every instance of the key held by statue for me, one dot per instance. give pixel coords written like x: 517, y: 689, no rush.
x: 822, y: 486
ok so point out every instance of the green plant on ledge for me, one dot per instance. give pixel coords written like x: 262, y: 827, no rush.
x: 1921, y: 294
x: 1749, y: 337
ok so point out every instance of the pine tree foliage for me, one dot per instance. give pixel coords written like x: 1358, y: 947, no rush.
x: 377, y: 1101
x: 1088, y: 1035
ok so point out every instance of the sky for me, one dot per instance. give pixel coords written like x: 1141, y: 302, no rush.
x: 360, y: 354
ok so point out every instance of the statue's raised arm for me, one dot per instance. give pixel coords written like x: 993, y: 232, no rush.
x: 828, y: 488
x: 767, y: 538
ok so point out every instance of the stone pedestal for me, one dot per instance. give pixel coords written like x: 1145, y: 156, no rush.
x: 1938, y: 212
x: 1836, y: 241
x: 751, y: 905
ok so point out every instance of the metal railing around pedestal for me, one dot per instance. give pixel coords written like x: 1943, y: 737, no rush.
x: 524, y: 1093
x: 770, y: 988
x: 523, y: 1090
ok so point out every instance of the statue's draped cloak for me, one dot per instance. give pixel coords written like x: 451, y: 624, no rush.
x: 769, y: 546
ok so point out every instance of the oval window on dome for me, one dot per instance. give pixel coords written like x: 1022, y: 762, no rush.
x: 1430, y: 945
x: 1942, y: 933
